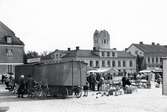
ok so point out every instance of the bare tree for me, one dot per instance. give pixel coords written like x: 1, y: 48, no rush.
x: 30, y: 54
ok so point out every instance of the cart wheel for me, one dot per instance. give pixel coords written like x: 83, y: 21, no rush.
x: 45, y: 92
x: 78, y: 92
x: 64, y: 92
x: 37, y: 94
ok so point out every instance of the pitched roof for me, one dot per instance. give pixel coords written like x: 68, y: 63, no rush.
x: 49, y: 56
x: 81, y: 53
x: 6, y: 32
x: 123, y: 54
x: 90, y: 54
x: 152, y: 49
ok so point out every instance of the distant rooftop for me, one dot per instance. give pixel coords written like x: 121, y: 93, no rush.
x: 81, y: 53
x: 123, y: 54
x: 152, y: 48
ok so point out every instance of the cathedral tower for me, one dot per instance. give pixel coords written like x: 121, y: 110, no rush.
x: 101, y: 39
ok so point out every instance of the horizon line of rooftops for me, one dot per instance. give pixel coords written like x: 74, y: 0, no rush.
x: 94, y: 48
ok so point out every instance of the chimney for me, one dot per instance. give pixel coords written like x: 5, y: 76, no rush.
x: 77, y: 47
x: 69, y: 49
x: 141, y: 42
x: 153, y: 43
x: 94, y: 48
x: 126, y: 49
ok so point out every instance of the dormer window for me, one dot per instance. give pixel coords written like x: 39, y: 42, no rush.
x: 9, y: 40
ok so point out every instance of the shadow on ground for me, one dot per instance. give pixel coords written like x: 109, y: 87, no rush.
x: 9, y: 97
x: 4, y: 109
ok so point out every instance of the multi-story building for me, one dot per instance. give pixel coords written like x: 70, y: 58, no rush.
x: 120, y: 60
x: 54, y: 57
x: 152, y: 54
x: 101, y: 56
x: 11, y: 50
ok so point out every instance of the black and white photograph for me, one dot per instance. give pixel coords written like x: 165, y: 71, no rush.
x: 83, y: 56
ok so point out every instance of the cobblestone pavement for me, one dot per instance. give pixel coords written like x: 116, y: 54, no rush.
x: 144, y: 100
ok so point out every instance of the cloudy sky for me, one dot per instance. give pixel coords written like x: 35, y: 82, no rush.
x: 58, y: 24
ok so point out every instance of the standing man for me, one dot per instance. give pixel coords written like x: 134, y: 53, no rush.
x: 30, y: 84
x: 85, y: 89
x: 22, y: 87
x: 93, y: 80
x: 100, y: 83
x: 124, y: 82
x: 3, y: 78
x: 98, y: 79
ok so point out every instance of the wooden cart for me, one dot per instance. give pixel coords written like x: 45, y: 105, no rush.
x: 62, y: 79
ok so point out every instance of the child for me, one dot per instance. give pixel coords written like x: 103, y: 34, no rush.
x: 85, y: 89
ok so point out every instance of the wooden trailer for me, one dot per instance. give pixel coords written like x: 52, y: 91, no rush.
x: 63, y: 79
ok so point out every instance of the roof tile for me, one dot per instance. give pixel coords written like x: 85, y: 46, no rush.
x: 153, y: 49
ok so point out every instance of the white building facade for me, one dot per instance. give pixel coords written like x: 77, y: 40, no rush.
x: 101, y: 56
x: 152, y: 54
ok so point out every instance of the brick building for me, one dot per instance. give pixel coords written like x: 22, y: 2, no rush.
x: 11, y: 50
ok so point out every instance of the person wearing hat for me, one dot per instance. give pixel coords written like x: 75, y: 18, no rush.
x: 85, y: 89
x: 21, y: 89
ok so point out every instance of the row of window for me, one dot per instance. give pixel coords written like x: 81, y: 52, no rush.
x: 58, y: 55
x: 154, y: 60
x: 108, y: 54
x: 9, y: 52
x: 159, y: 66
x: 105, y: 41
x: 111, y: 63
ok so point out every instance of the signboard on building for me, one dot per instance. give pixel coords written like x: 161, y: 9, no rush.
x: 34, y: 60
x: 164, y: 84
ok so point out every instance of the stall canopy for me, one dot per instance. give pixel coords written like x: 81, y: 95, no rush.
x: 145, y: 71
x: 151, y: 70
x: 103, y: 70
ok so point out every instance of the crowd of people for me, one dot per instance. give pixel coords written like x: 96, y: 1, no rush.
x: 22, y: 86
x: 30, y: 87
x: 8, y: 80
x: 106, y: 82
x: 127, y: 83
